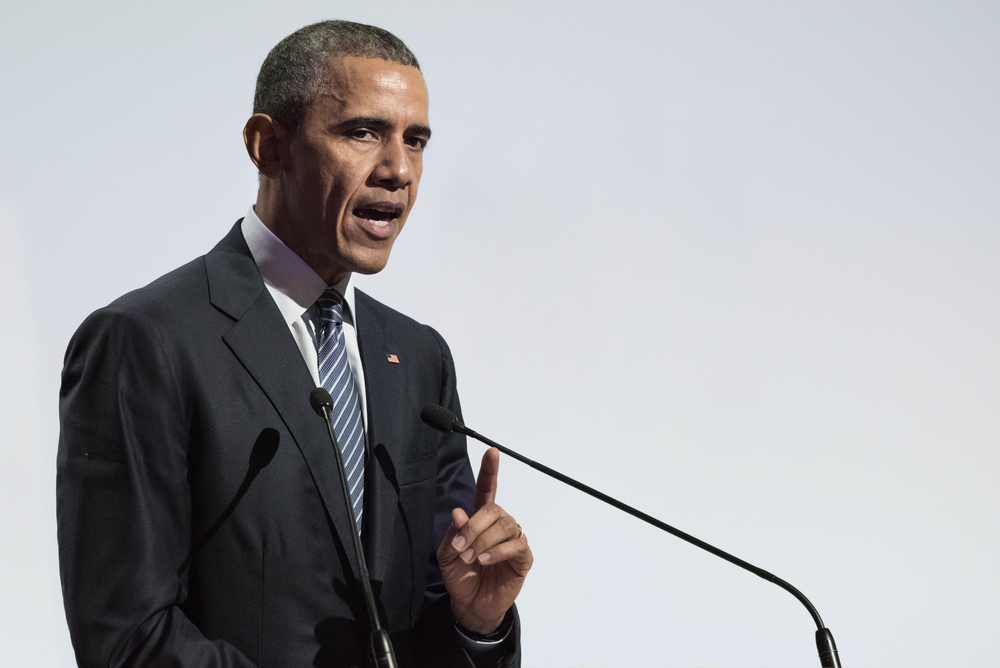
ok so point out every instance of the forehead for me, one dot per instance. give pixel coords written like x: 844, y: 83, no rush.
x: 359, y: 82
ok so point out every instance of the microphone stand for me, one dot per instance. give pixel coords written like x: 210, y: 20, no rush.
x: 446, y: 421
x: 381, y: 645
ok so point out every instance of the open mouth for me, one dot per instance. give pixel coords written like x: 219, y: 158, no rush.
x: 378, y: 214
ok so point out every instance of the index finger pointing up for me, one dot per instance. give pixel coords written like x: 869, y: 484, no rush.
x: 486, y: 483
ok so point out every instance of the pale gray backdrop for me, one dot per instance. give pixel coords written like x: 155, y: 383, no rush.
x: 735, y: 263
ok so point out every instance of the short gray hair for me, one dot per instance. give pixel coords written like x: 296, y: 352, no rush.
x: 293, y: 74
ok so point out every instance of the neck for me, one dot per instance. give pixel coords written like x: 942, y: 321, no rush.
x: 271, y: 208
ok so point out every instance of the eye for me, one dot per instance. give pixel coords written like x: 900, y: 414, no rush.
x: 416, y: 142
x: 361, y: 133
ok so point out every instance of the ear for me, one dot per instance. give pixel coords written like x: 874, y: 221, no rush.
x: 263, y: 137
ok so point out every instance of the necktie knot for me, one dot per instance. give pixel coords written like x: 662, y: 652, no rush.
x: 331, y: 306
x: 330, y: 309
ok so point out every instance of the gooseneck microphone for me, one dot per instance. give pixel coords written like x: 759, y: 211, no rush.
x: 381, y: 645
x: 444, y: 420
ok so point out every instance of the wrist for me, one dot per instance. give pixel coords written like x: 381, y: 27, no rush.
x: 477, y: 625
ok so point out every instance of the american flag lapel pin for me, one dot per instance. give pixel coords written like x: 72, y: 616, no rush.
x: 392, y: 358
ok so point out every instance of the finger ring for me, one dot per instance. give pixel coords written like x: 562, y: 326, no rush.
x: 520, y: 531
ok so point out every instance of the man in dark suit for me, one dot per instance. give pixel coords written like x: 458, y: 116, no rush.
x: 201, y: 520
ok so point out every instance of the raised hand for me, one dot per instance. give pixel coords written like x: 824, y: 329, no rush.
x: 484, y: 558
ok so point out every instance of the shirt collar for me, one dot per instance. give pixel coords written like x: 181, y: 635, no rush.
x: 293, y: 284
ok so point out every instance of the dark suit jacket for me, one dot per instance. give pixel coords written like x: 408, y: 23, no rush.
x: 201, y: 521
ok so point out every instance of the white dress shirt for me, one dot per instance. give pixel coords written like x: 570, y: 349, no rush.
x: 295, y: 287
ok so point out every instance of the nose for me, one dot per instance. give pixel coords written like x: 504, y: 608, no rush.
x: 395, y: 168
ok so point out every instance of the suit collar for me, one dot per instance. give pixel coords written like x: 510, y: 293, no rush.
x: 261, y: 341
x: 384, y: 397
x: 234, y: 283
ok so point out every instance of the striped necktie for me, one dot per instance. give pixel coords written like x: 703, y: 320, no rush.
x: 335, y: 377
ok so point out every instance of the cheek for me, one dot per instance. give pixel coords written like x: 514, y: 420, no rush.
x: 343, y: 186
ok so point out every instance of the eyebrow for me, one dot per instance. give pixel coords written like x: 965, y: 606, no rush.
x: 377, y: 123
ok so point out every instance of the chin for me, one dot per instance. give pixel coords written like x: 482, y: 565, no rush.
x: 369, y: 266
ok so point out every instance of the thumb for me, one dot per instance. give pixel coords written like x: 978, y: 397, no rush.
x: 446, y: 551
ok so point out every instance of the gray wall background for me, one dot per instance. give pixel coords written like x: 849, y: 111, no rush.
x: 734, y: 263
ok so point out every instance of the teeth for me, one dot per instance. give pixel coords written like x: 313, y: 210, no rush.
x: 376, y: 214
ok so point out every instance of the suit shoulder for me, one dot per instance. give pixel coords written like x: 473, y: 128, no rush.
x: 400, y: 331
x: 166, y: 296
x: 390, y: 317
x: 144, y: 314
x: 181, y: 291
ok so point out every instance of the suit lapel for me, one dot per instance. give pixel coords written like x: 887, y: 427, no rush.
x: 383, y: 388
x: 261, y: 341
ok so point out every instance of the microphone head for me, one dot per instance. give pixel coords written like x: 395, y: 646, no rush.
x: 438, y: 417
x: 320, y: 399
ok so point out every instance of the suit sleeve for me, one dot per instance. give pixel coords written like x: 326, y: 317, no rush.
x: 123, y: 500
x: 443, y: 646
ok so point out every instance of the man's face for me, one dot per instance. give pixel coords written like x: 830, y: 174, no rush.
x: 353, y: 167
